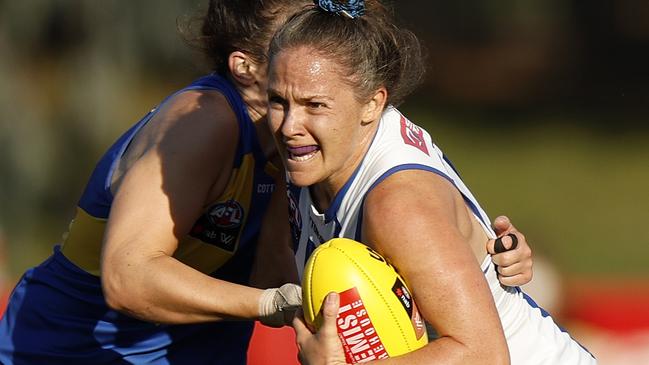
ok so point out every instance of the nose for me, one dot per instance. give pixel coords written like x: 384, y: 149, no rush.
x: 292, y: 125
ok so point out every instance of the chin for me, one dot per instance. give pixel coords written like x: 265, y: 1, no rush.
x: 301, y: 179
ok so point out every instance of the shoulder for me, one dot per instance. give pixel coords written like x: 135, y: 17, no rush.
x: 200, y: 109
x: 188, y: 131
x: 410, y: 194
x: 193, y: 122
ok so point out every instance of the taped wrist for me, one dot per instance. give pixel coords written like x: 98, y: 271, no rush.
x: 277, y: 306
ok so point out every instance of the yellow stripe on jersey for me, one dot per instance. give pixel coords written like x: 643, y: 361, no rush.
x: 82, y: 243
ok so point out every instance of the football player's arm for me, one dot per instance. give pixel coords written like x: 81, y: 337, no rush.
x: 274, y: 259
x: 157, y: 202
x: 418, y: 221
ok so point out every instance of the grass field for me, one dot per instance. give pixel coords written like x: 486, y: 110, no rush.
x: 579, y: 194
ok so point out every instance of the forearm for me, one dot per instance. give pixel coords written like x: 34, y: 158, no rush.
x: 275, y: 261
x: 163, y: 290
x: 448, y: 351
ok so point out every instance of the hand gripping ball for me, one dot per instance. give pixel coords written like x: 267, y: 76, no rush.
x: 378, y: 317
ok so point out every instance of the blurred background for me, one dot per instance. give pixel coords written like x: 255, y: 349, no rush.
x: 543, y: 106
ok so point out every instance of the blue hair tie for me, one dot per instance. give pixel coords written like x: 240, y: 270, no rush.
x: 352, y: 9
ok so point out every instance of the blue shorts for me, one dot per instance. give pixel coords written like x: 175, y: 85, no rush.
x: 57, y: 315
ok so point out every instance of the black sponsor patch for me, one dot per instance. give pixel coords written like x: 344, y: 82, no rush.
x: 221, y: 225
x: 400, y: 290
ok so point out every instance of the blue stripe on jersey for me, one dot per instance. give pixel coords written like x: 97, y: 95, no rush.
x: 448, y: 161
x: 544, y: 313
x: 414, y: 166
x: 330, y: 213
x: 358, y: 235
x: 533, y: 304
x: 97, y: 197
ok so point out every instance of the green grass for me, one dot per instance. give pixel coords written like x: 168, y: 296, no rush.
x: 580, y: 196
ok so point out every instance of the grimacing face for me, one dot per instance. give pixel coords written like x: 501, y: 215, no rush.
x: 321, y: 129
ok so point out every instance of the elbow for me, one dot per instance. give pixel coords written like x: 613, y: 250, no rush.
x: 121, y: 293
x: 497, y: 357
x: 485, y: 352
x: 501, y: 358
x: 115, y: 292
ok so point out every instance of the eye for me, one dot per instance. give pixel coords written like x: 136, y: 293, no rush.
x: 276, y: 101
x: 316, y: 105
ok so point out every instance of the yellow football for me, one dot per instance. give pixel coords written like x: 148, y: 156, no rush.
x: 378, y: 317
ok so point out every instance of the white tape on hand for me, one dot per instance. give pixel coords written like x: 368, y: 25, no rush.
x: 277, y: 306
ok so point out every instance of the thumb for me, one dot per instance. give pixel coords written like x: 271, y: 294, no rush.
x: 329, y: 314
x: 502, y: 225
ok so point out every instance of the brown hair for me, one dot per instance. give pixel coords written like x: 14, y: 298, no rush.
x: 373, y: 49
x: 237, y: 25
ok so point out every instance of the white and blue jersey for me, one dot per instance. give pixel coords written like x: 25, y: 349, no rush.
x: 532, y: 335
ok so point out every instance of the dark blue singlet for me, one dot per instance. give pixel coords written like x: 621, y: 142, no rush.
x: 57, y: 313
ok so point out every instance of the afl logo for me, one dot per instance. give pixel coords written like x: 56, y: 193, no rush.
x: 221, y: 225
x: 226, y: 215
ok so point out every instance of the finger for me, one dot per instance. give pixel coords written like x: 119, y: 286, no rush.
x: 512, y: 257
x: 521, y: 254
x: 502, y: 244
x: 499, y: 243
x: 300, y: 327
x: 517, y: 274
x: 329, y: 314
x: 511, y: 270
x: 516, y: 280
x: 505, y: 259
x: 300, y: 314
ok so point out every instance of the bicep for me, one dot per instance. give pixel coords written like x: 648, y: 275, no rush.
x: 415, y: 219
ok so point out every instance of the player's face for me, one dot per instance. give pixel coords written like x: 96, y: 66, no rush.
x: 322, y: 131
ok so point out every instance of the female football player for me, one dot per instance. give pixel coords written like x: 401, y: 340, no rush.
x: 360, y: 169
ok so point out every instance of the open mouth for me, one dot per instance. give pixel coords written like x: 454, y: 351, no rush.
x: 302, y: 153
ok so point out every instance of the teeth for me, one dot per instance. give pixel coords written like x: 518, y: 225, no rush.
x: 303, y: 157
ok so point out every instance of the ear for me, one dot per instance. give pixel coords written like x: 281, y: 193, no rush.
x: 242, y: 68
x: 373, y: 108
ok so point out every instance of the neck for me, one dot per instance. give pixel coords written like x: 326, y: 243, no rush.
x: 324, y: 192
x: 257, y: 110
x: 266, y: 140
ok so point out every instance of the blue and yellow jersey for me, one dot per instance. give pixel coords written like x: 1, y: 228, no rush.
x: 228, y: 227
x: 57, y: 313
